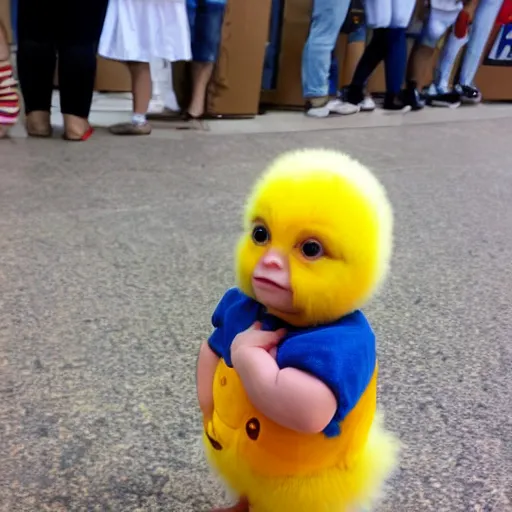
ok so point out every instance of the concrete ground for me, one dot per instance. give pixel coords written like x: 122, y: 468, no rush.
x: 114, y: 252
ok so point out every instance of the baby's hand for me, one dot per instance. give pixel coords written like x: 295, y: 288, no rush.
x: 254, y: 337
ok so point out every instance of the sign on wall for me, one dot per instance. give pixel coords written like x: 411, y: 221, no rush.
x: 500, y: 53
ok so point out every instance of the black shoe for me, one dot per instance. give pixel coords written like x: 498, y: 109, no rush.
x: 468, y: 94
x: 444, y: 99
x: 394, y: 103
x: 412, y: 97
x: 354, y: 94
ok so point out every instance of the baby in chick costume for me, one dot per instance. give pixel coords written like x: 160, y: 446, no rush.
x: 287, y: 382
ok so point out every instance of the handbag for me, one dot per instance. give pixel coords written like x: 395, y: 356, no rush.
x: 355, y: 17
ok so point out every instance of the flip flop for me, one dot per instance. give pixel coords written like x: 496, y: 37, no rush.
x: 87, y: 135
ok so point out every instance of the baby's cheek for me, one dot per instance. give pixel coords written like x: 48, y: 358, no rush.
x: 273, y: 352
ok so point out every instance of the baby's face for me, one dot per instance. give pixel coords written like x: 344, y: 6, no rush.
x: 271, y: 281
x: 309, y: 258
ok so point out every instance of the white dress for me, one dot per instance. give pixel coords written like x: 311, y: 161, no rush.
x: 142, y: 30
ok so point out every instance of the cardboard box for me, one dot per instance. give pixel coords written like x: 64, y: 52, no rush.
x: 5, y: 17
x: 234, y: 90
x: 236, y: 85
x: 494, y: 78
x: 112, y: 76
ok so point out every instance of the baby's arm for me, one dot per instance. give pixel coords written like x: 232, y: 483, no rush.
x: 207, y: 362
x: 290, y: 397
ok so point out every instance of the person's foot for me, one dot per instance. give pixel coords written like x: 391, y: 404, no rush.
x: 76, y: 128
x: 412, y: 97
x: 324, y: 107
x: 354, y: 95
x: 469, y: 95
x: 130, y: 129
x: 393, y: 103
x: 367, y: 105
x: 38, y: 124
x: 436, y: 97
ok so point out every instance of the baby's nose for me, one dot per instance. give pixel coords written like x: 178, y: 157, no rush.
x: 274, y: 259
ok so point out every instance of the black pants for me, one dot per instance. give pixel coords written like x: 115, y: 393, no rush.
x: 66, y: 31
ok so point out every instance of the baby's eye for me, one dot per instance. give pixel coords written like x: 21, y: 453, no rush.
x: 312, y: 249
x: 260, y: 234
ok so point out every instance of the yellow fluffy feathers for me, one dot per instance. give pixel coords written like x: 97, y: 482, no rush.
x: 327, y: 196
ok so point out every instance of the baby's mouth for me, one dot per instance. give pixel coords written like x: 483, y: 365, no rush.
x: 268, y: 283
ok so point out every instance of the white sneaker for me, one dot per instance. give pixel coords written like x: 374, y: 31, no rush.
x: 367, y: 105
x: 336, y: 107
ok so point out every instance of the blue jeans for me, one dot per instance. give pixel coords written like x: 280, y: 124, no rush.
x: 485, y: 16
x: 358, y: 35
x: 326, y: 22
x: 205, y: 19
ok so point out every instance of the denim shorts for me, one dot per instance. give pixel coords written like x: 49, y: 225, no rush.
x: 358, y: 35
x: 205, y: 19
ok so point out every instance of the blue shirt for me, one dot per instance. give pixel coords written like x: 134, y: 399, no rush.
x: 341, y: 354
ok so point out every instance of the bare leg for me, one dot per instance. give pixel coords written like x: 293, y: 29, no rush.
x: 201, y: 75
x: 141, y: 86
x: 4, y: 45
x: 141, y: 92
x: 419, y: 63
x: 241, y: 506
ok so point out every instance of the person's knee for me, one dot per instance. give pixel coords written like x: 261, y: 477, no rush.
x: 438, y: 23
x: 324, y: 25
x: 432, y: 33
x: 85, y: 53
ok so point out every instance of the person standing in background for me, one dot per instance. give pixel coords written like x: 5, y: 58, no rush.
x: 69, y: 30
x: 484, y: 18
x: 441, y: 15
x: 136, y: 32
x: 9, y: 98
x: 389, y: 20
x: 355, y: 49
x: 327, y: 19
x: 206, y: 18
